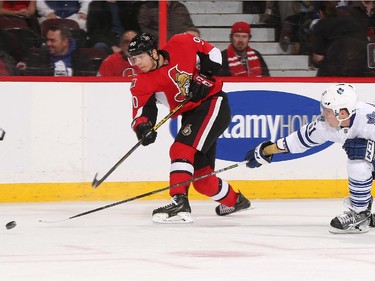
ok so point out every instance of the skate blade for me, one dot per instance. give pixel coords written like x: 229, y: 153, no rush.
x: 361, y: 230
x: 182, y: 217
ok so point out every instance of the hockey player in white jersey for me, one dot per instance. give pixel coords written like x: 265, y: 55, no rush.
x: 343, y: 120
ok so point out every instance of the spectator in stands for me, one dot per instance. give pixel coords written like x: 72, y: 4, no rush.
x: 193, y: 31
x: 25, y: 10
x: 74, y: 9
x: 7, y: 55
x: 60, y: 58
x: 7, y: 64
x: 178, y: 18
x: 16, y: 39
x: 117, y: 64
x: 364, y: 11
x: 339, y: 43
x: 107, y: 20
x: 295, y: 28
x: 239, y: 59
x: 271, y: 13
x: 18, y: 8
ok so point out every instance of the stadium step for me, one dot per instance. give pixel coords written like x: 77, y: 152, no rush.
x: 214, y: 20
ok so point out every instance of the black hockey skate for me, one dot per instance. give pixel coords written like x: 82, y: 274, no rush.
x: 372, y: 216
x: 241, y: 204
x: 372, y: 220
x: 178, y: 211
x: 351, y: 221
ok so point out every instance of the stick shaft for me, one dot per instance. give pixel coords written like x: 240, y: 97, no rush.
x: 170, y: 114
x: 96, y: 182
x: 160, y: 190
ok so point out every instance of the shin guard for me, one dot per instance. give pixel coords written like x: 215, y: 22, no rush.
x: 182, y: 159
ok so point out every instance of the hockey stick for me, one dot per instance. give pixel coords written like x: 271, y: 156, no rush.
x: 151, y: 192
x: 96, y: 182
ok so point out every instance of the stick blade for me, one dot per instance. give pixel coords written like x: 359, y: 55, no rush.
x: 95, y: 182
x: 2, y: 134
x: 55, y: 221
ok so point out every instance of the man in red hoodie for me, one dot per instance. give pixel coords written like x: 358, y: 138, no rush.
x: 117, y: 64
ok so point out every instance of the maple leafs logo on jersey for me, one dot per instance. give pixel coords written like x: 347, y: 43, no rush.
x: 182, y: 80
x: 371, y: 118
x: 340, y: 91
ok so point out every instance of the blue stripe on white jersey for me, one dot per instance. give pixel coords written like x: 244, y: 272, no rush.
x: 308, y: 136
x: 301, y: 139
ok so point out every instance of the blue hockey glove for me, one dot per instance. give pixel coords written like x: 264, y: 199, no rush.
x: 200, y: 86
x: 146, y: 132
x: 360, y: 149
x: 256, y: 157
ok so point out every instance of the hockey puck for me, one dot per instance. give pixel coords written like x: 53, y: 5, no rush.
x: 2, y: 134
x: 10, y: 225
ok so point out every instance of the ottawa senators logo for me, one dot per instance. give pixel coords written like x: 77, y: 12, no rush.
x: 187, y: 130
x: 182, y: 81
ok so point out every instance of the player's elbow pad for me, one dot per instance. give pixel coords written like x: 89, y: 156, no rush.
x: 208, y: 67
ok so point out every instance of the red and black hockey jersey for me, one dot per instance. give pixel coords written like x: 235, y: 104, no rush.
x: 169, y: 84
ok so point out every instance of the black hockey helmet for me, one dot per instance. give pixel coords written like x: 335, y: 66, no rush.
x: 142, y: 43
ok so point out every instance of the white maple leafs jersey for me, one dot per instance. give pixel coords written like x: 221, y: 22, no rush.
x: 319, y: 131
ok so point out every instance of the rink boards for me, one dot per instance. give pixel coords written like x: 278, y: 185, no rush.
x: 60, y: 133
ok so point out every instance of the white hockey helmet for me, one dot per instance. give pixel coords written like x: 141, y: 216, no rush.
x: 340, y: 96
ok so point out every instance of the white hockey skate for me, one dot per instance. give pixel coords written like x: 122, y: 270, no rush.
x: 178, y: 211
x: 351, y: 222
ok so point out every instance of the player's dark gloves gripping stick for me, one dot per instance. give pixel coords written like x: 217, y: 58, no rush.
x: 146, y: 133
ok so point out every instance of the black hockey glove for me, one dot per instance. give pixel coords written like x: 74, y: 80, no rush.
x: 200, y: 86
x: 146, y: 133
x: 256, y: 157
x: 360, y: 149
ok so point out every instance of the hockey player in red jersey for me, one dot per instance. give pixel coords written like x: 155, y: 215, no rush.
x: 183, y: 69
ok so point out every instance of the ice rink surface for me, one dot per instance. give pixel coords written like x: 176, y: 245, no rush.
x: 283, y: 240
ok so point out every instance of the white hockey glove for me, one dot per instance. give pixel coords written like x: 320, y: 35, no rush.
x: 256, y: 158
x: 360, y: 149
